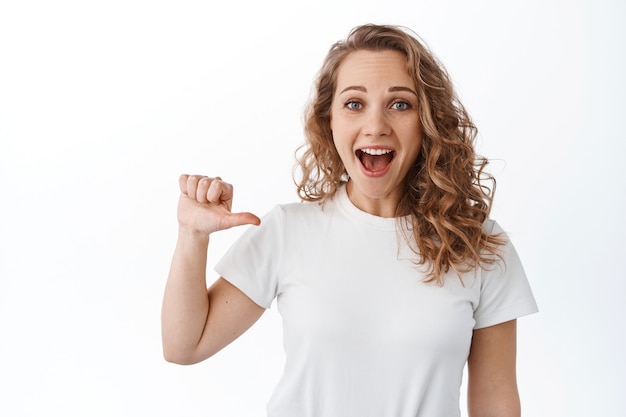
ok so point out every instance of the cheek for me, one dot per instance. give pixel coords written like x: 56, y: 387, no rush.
x: 337, y: 132
x: 342, y: 144
x: 413, y: 135
x: 417, y: 149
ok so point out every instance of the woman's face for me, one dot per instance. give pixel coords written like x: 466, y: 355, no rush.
x: 376, y: 127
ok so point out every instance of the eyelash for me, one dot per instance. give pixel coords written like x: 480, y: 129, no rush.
x: 349, y: 104
x: 406, y: 105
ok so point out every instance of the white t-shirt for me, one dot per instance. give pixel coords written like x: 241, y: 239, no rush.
x: 364, y: 336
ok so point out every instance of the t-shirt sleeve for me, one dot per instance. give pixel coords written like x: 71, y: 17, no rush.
x: 252, y: 262
x: 505, y: 293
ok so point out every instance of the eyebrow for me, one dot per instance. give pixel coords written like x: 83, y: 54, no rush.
x: 400, y: 88
x: 391, y: 89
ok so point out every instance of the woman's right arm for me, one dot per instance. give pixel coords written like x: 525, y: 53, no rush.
x: 196, y: 322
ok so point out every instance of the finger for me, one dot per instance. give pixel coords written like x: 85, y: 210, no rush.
x: 192, y: 185
x: 203, y: 187
x: 220, y: 192
x: 240, y: 219
x: 182, y: 183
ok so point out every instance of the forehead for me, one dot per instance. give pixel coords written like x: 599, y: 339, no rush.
x: 364, y: 67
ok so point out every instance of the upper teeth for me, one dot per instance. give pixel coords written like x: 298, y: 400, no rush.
x: 376, y: 151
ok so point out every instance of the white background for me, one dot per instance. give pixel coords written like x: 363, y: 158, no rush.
x: 104, y: 104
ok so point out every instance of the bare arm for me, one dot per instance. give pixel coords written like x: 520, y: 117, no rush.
x: 492, y: 380
x: 196, y: 322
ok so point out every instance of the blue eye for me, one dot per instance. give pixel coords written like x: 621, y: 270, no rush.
x: 353, y: 105
x: 401, y: 105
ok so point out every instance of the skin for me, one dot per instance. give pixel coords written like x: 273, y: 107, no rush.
x: 492, y: 381
x: 191, y: 331
x: 374, y: 107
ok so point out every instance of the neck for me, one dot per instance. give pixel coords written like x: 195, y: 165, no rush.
x: 382, y: 207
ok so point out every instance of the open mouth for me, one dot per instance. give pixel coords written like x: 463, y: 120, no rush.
x: 375, y: 159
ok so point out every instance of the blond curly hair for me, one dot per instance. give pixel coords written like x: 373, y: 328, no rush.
x: 445, y: 199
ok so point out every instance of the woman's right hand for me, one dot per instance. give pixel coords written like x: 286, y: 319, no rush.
x: 191, y: 330
x: 205, y: 205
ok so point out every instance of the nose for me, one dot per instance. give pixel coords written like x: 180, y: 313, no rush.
x: 376, y: 123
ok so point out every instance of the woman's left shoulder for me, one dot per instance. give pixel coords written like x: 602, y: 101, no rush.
x: 492, y: 227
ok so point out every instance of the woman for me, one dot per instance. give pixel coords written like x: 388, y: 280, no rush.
x: 389, y: 276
